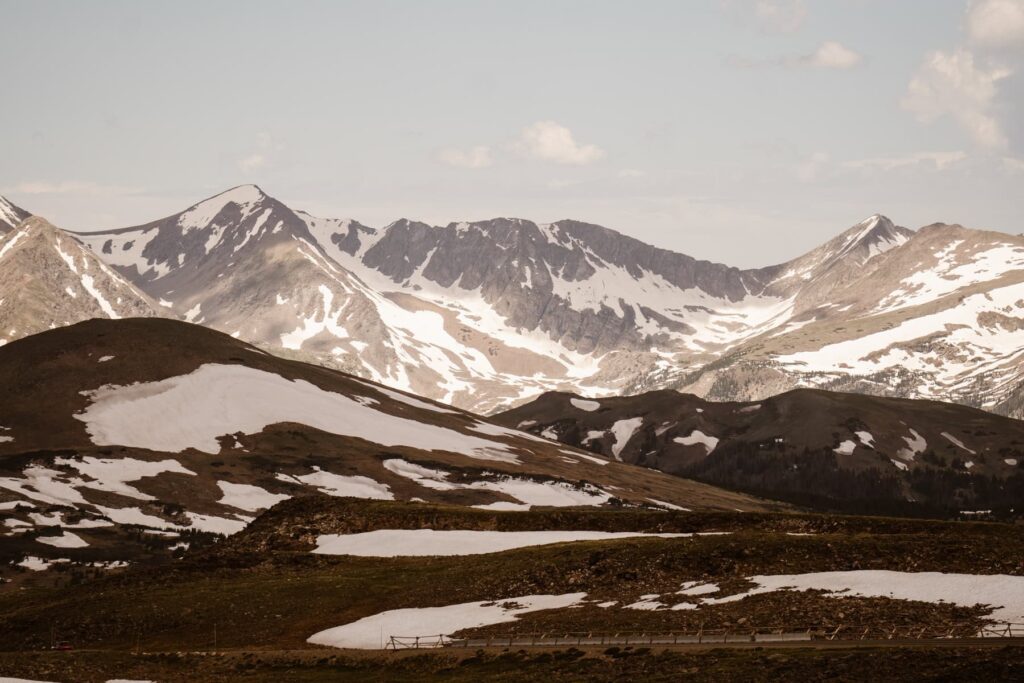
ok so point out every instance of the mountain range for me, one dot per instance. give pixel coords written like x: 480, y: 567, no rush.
x: 487, y: 315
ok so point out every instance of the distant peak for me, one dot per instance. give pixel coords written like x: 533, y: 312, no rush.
x: 242, y: 194
x: 874, y: 225
x: 875, y: 220
x: 205, y: 211
x: 875, y: 235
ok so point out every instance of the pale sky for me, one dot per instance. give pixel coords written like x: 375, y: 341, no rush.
x: 740, y: 131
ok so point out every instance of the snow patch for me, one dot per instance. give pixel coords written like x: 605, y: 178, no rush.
x: 623, y: 431
x: 692, y: 588
x: 374, y: 632
x: 866, y: 438
x: 584, y: 404
x: 698, y: 437
x: 248, y: 497
x: 343, y: 486
x: 65, y: 540
x: 527, y: 491
x: 845, y: 448
x: 915, y: 445
x: 957, y: 442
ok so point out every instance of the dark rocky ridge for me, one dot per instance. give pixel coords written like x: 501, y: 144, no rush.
x: 793, y: 446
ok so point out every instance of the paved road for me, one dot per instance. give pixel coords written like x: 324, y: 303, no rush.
x: 631, y: 640
x: 777, y: 641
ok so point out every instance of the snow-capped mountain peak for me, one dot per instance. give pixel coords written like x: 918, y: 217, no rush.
x: 877, y: 235
x: 245, y: 197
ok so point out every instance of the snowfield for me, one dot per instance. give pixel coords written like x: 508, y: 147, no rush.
x: 1003, y: 592
x: 191, y: 411
x: 428, y: 542
x: 374, y: 632
x: 527, y: 491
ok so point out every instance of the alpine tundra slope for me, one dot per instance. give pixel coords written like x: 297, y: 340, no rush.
x: 132, y: 440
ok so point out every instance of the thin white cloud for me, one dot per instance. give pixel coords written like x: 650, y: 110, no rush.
x: 475, y: 157
x: 820, y: 166
x: 996, y: 23
x: 550, y: 141
x: 955, y: 85
x: 252, y: 162
x: 70, y: 187
x: 829, y: 55
x: 939, y: 161
x: 773, y: 16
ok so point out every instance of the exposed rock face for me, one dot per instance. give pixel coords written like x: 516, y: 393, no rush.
x: 487, y: 314
x: 49, y: 279
x: 538, y: 277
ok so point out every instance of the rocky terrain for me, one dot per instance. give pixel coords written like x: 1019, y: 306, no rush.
x: 826, y: 450
x: 133, y: 440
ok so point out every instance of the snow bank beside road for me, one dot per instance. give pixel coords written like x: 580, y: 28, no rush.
x: 374, y: 632
x: 427, y: 542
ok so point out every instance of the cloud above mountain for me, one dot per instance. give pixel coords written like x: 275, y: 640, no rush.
x: 958, y: 85
x: 551, y: 141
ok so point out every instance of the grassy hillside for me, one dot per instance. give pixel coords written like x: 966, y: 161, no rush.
x: 264, y: 589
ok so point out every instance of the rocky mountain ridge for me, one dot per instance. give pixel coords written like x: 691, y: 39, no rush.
x: 826, y: 450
